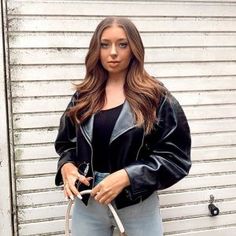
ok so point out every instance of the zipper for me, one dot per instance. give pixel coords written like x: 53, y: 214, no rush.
x: 91, y: 148
x: 86, y: 169
x: 140, y: 147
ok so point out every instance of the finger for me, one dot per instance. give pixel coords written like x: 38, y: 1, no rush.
x: 68, y: 192
x: 84, y: 180
x: 75, y: 192
x: 101, y: 200
x: 65, y: 195
x: 64, y: 188
x: 110, y: 199
x: 95, y: 190
x: 106, y: 199
x: 101, y: 196
x: 89, y: 178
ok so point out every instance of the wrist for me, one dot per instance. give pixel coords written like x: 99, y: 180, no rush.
x: 125, y: 178
x: 67, y: 165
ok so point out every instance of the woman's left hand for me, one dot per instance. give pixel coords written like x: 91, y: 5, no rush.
x: 110, y: 187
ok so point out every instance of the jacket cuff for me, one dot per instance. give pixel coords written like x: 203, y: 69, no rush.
x: 135, y: 190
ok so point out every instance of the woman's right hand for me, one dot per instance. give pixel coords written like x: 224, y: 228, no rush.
x: 70, y: 175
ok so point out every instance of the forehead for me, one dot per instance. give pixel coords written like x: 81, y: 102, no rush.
x: 113, y: 32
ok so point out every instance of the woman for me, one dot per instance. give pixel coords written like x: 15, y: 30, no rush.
x: 123, y: 135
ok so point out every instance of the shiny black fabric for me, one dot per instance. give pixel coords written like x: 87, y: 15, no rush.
x: 153, y: 162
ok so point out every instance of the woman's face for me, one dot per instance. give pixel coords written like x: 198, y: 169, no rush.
x: 115, y: 52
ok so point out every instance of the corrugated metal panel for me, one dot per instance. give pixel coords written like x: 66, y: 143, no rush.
x: 190, y: 46
x: 5, y: 174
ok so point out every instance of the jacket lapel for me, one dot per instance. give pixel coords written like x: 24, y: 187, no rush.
x: 124, y: 122
x: 87, y: 127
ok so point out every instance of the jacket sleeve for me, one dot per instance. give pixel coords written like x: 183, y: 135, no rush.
x: 166, y: 156
x: 65, y: 144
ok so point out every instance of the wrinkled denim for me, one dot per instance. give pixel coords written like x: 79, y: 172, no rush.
x: 142, y: 219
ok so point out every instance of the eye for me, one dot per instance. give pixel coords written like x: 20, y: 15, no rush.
x: 104, y: 45
x: 123, y: 45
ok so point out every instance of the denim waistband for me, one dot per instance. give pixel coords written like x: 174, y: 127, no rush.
x: 98, y: 177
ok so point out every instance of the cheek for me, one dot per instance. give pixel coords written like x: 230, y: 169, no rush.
x: 127, y: 55
x: 127, y: 58
x: 102, y: 56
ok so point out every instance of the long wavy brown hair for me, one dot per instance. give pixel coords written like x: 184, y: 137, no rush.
x: 142, y: 91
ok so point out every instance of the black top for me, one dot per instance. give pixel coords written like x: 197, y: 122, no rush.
x: 104, y: 122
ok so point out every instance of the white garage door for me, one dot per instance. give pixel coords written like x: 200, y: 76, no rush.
x: 190, y: 46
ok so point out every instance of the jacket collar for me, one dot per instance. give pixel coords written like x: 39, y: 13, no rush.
x: 124, y: 122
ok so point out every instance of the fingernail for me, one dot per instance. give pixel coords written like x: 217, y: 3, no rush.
x: 79, y: 196
x: 72, y: 197
x: 66, y: 199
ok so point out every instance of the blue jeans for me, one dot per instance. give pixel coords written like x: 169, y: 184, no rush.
x: 142, y: 219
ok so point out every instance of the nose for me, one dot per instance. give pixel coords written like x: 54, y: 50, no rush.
x: 113, y: 50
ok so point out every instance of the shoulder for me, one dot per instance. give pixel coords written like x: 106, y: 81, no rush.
x: 169, y: 107
x: 74, y: 98
x: 168, y: 99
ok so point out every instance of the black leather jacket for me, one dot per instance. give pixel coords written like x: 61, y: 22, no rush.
x: 153, y: 162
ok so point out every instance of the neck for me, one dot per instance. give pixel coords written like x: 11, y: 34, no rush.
x: 116, y: 80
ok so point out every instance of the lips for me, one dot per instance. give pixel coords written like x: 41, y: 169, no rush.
x: 113, y: 62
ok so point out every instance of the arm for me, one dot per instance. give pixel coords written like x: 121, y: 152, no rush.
x: 166, y: 156
x: 65, y: 144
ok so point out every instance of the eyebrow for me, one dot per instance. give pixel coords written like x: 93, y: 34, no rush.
x: 108, y: 40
